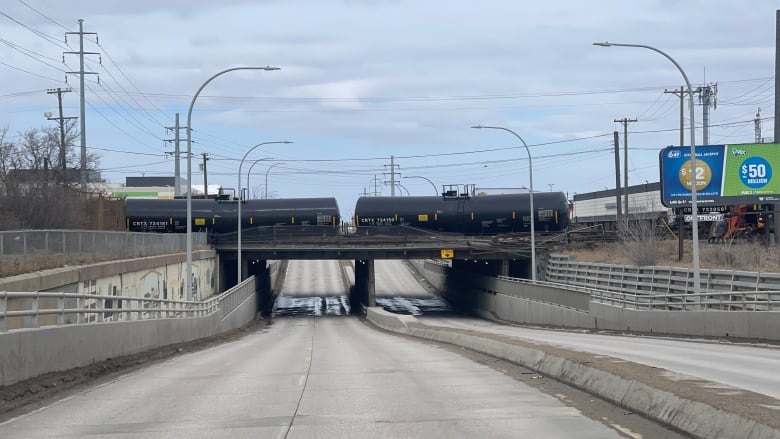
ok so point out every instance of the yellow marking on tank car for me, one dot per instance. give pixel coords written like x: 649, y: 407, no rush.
x: 200, y: 221
x: 395, y: 216
x: 472, y: 216
x: 170, y: 220
x: 292, y: 220
x: 514, y: 215
x: 422, y: 217
x: 251, y: 220
x: 436, y: 216
x: 556, y: 216
x: 213, y: 220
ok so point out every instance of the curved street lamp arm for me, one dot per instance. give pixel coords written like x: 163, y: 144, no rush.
x: 266, y: 177
x: 188, y: 279
x: 530, y: 192
x: 435, y: 190
x: 694, y: 191
x: 238, y: 199
x: 252, y: 167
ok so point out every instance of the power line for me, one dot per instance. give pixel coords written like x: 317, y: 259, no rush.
x: 31, y: 73
x: 43, y: 15
x: 35, y: 31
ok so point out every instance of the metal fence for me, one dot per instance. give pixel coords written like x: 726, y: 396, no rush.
x: 668, y: 288
x: 73, y: 242
x: 26, y: 310
x: 719, y: 301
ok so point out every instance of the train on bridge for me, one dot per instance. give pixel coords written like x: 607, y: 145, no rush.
x: 463, y: 213
x: 454, y: 211
x: 221, y: 215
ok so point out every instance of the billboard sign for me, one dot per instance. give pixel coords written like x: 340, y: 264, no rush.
x: 724, y: 175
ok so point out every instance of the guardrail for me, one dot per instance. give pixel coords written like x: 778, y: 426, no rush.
x: 54, y: 308
x: 721, y: 301
x: 655, y: 279
x: 122, y: 244
x: 668, y: 288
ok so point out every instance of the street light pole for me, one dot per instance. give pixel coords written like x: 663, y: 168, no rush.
x: 250, y: 171
x: 266, y: 177
x: 435, y: 191
x: 694, y: 204
x: 240, y: 225
x: 188, y: 280
x: 530, y: 197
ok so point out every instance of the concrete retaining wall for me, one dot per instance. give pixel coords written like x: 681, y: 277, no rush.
x: 160, y: 277
x: 499, y: 299
x: 31, y: 352
x: 743, y: 324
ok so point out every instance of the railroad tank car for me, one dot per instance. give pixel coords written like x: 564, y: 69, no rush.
x: 221, y: 216
x: 480, y: 214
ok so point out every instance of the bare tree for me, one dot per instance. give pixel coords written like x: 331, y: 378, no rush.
x: 34, y: 190
x: 640, y: 239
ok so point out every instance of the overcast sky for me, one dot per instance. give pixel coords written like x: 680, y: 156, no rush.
x: 362, y: 81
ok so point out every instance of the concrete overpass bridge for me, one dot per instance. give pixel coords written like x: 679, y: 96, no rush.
x: 507, y: 256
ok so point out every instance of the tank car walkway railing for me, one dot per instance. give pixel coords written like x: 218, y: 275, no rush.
x: 26, y: 310
x: 669, y: 288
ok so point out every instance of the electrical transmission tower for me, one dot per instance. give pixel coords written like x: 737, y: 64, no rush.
x: 708, y: 97
x: 176, y: 154
x: 81, y: 74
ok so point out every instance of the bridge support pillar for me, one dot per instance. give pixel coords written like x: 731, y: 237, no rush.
x: 365, y: 287
x: 503, y: 267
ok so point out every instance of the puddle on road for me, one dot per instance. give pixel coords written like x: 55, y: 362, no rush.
x: 414, y: 305
x: 339, y: 306
x: 311, y: 306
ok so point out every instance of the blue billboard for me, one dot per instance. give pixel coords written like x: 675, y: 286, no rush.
x: 724, y: 175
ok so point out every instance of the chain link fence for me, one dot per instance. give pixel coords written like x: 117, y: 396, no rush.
x: 98, y: 243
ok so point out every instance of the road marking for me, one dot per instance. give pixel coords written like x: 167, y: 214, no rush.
x: 626, y: 431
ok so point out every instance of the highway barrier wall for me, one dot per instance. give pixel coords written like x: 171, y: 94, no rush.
x: 159, y: 277
x: 571, y: 306
x: 695, y: 408
x: 31, y: 352
x: 55, y: 320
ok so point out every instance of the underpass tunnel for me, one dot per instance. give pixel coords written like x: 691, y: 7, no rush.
x: 512, y: 267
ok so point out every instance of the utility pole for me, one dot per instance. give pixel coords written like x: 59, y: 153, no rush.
x: 625, y: 121
x: 757, y: 122
x: 81, y: 74
x: 681, y: 93
x: 206, y: 178
x: 61, y: 119
x: 376, y: 185
x: 708, y: 97
x: 392, y: 175
x: 777, y: 75
x: 619, y: 216
x: 176, y: 154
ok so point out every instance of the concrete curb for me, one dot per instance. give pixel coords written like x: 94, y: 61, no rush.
x: 693, y: 417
